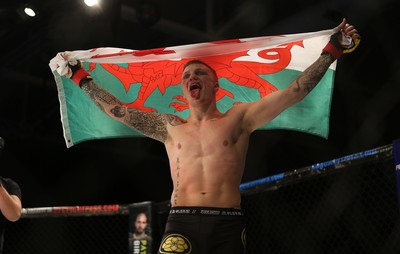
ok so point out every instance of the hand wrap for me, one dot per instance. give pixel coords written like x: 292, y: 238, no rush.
x: 79, y: 75
x: 340, y: 43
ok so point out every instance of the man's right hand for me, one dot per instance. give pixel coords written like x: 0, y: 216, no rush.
x: 342, y: 41
x: 78, y: 73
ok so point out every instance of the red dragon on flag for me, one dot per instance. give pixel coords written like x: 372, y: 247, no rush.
x: 163, y: 74
x: 149, y: 80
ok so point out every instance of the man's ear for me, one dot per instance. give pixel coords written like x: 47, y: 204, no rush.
x: 216, y: 87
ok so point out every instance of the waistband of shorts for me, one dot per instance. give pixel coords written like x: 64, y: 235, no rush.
x: 198, y: 210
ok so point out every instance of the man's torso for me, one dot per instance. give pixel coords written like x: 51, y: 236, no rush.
x: 207, y: 161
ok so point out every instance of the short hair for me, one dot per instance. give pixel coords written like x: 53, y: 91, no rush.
x: 197, y: 61
x: 141, y: 215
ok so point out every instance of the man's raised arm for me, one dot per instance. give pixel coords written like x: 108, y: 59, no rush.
x: 148, y: 124
x: 269, y: 107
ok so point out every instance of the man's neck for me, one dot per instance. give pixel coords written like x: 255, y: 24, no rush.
x: 203, y: 113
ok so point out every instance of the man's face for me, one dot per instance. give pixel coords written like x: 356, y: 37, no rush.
x: 198, y: 82
x: 141, y: 223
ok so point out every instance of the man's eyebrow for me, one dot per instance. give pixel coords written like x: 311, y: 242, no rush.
x: 201, y: 69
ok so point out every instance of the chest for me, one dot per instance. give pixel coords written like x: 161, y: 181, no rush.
x: 209, y: 136
x: 209, y: 130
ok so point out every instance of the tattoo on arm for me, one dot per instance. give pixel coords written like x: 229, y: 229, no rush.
x: 151, y: 125
x: 174, y: 120
x: 99, y: 96
x: 307, y: 80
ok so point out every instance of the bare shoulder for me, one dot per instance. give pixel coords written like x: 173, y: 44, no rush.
x: 247, y: 115
x: 157, y: 125
x: 174, y: 120
x: 240, y: 109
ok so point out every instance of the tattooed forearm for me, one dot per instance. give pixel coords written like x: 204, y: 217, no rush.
x: 151, y: 125
x: 100, y: 96
x: 306, y: 81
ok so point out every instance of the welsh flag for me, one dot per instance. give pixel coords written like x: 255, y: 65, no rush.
x: 248, y: 69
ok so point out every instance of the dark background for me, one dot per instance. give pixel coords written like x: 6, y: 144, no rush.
x: 364, y: 111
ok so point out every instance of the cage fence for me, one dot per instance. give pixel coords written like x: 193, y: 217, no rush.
x: 347, y: 205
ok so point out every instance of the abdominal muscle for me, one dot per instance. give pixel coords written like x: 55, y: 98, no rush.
x: 207, y: 160
x: 210, y: 180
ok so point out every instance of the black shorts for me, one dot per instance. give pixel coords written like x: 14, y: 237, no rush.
x: 198, y: 230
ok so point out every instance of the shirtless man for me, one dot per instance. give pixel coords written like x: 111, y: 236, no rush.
x: 207, y: 151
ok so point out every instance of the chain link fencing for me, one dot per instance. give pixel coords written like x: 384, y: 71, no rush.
x: 347, y: 205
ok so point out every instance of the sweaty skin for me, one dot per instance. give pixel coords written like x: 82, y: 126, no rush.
x: 207, y: 151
